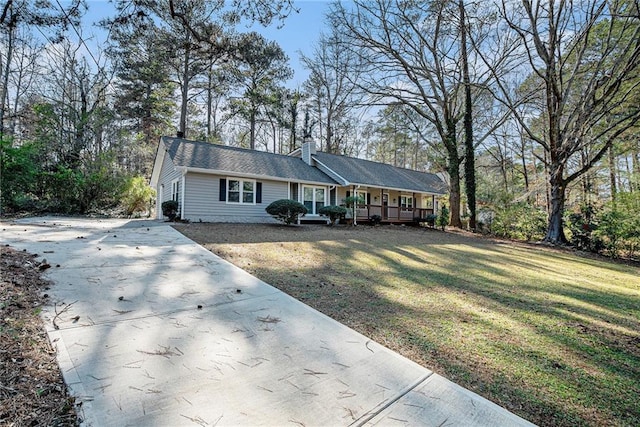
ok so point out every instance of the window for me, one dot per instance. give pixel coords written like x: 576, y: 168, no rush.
x: 247, y: 192
x: 175, y: 190
x: 313, y: 199
x: 406, y: 202
x: 239, y: 191
x: 319, y: 199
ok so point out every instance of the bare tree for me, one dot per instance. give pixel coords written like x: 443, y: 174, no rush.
x: 16, y: 14
x: 331, y: 87
x: 584, y: 59
x: 412, y: 53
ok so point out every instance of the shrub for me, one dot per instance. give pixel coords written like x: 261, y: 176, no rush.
x: 19, y: 169
x: 333, y: 212
x: 352, y: 201
x: 136, y: 196
x: 429, y: 219
x: 286, y: 210
x: 64, y: 190
x: 443, y: 219
x: 619, y: 225
x: 170, y: 209
x: 581, y: 225
x: 519, y: 221
x: 375, y: 219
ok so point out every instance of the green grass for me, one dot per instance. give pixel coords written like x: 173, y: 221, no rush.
x: 553, y: 337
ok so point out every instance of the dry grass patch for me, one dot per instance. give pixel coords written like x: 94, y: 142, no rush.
x: 551, y: 336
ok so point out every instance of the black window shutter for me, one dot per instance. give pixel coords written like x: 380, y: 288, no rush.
x: 258, y: 192
x: 223, y: 190
x: 368, y: 198
x: 348, y: 193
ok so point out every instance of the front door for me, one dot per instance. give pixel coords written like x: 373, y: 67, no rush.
x: 385, y: 205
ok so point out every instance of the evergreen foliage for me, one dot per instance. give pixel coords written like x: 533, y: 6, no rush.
x: 286, y: 210
x: 333, y: 212
x: 519, y: 221
x: 170, y: 209
x: 443, y: 219
x: 137, y: 196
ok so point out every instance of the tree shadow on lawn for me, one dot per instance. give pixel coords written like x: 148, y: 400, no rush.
x: 504, y: 320
x: 516, y: 333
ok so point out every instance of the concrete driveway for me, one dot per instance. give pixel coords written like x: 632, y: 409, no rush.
x: 152, y: 329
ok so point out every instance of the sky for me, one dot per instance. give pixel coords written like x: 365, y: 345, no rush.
x: 300, y: 31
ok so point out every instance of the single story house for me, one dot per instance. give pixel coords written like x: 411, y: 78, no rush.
x: 217, y: 183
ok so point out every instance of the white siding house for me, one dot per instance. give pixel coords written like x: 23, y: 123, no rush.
x: 216, y: 183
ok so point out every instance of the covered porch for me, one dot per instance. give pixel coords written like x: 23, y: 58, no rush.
x: 391, y: 214
x: 391, y: 205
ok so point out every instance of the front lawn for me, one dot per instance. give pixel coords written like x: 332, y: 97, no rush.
x: 550, y: 336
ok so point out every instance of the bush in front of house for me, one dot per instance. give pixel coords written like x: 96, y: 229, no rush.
x: 429, y: 219
x: 443, y: 219
x: 333, y: 212
x: 375, y: 219
x: 170, y: 209
x: 286, y: 210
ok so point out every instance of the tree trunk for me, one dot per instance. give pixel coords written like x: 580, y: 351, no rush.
x: 329, y: 135
x: 469, y: 162
x: 454, y: 176
x: 185, y: 87
x: 635, y: 183
x: 209, y: 101
x: 555, y: 229
x: 612, y: 173
x: 252, y: 128
x: 5, y: 75
x: 294, y: 125
x: 523, y: 157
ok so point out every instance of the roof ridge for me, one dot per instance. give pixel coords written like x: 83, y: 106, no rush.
x: 227, y: 147
x: 375, y: 162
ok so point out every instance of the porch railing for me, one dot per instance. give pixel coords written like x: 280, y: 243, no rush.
x: 391, y: 213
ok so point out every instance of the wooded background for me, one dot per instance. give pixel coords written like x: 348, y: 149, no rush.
x: 531, y: 108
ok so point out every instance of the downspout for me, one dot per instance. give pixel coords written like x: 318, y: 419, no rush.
x: 299, y: 198
x: 159, y: 200
x: 184, y: 190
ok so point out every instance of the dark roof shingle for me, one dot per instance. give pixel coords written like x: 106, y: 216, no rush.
x: 365, y: 172
x: 240, y: 161
x: 204, y: 155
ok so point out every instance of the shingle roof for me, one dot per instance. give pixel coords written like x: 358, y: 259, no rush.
x: 204, y: 155
x: 240, y: 161
x: 365, y: 172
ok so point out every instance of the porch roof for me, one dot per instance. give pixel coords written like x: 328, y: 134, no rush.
x: 365, y: 172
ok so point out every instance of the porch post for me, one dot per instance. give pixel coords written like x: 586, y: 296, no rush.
x: 413, y: 205
x: 355, y: 206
